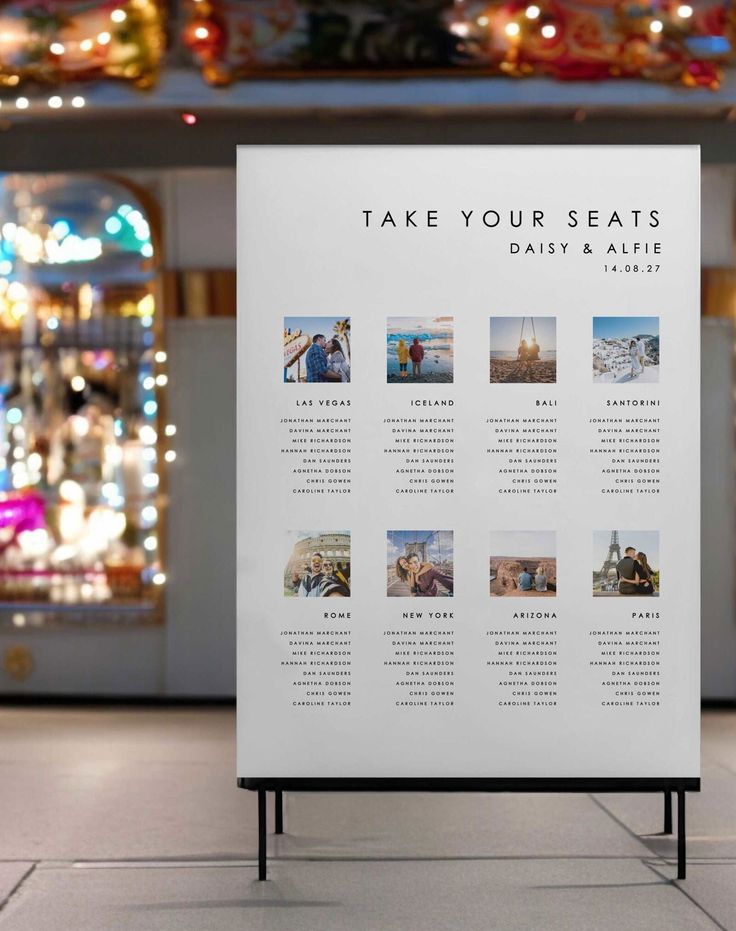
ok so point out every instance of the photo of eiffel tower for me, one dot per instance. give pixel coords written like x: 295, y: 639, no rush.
x: 614, y: 553
x: 644, y: 543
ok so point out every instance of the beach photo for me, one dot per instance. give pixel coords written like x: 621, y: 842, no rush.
x: 523, y: 350
x: 419, y: 350
x: 523, y: 563
x: 420, y: 564
x: 625, y: 349
x: 318, y: 564
x: 626, y: 562
x: 317, y: 349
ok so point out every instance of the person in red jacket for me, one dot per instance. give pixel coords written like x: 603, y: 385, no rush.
x: 416, y: 354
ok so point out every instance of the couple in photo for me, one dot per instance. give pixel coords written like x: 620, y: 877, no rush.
x: 422, y: 577
x: 322, y: 579
x: 326, y: 361
x: 638, y: 355
x: 534, y: 580
x: 415, y: 352
x: 635, y: 575
x: 527, y: 354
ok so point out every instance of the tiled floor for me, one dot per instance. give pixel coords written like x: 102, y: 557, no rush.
x: 129, y: 820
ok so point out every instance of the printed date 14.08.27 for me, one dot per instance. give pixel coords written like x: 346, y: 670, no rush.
x: 650, y: 269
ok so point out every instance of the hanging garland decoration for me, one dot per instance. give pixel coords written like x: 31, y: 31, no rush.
x: 52, y: 42
x: 687, y: 41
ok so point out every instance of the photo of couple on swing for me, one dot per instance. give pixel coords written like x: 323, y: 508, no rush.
x: 523, y: 350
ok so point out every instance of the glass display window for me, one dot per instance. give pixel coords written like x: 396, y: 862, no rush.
x: 82, y: 404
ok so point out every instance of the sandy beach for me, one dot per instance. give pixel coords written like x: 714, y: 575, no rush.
x: 425, y: 378
x: 512, y: 372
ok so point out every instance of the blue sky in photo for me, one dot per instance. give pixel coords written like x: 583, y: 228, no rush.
x: 522, y: 543
x: 624, y: 327
x: 645, y: 541
x: 312, y: 325
x: 440, y: 544
x: 505, y: 332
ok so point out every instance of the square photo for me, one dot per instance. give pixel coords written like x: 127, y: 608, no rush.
x: 317, y: 564
x: 419, y: 350
x: 625, y: 349
x: 523, y: 350
x: 420, y: 564
x: 523, y: 563
x: 626, y: 562
x: 316, y: 349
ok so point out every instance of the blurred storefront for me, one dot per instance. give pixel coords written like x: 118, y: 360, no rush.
x: 119, y: 123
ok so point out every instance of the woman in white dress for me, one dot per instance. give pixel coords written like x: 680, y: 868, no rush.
x: 636, y: 366
x: 337, y: 361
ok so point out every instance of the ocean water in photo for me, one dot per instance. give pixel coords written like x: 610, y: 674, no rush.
x: 545, y: 354
x: 437, y: 352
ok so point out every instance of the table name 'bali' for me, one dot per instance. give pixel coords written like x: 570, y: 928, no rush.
x: 513, y: 219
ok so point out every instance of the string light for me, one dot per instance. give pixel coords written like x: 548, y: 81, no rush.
x: 78, y: 102
x: 512, y: 29
x: 189, y: 118
x: 55, y: 102
x: 149, y: 514
x: 685, y: 11
x: 22, y: 103
x: 655, y: 26
x: 532, y: 12
x: 118, y: 16
x: 549, y: 31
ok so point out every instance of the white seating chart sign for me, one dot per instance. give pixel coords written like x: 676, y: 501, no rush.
x: 468, y: 462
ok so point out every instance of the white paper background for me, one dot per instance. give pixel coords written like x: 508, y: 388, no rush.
x: 303, y: 250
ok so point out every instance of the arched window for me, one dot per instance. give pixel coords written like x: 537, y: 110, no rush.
x: 82, y: 419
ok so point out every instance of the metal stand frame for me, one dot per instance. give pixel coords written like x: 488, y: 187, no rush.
x: 667, y: 812
x: 279, y: 786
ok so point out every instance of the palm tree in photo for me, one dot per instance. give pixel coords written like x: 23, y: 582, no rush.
x: 342, y: 331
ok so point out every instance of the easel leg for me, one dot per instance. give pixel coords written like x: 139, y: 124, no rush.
x: 262, y: 834
x: 667, y: 812
x: 681, y: 854
x: 278, y: 810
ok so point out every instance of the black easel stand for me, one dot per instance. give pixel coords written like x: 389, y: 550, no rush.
x: 681, y: 856
x: 279, y: 786
x: 278, y: 811
x: 262, y: 847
